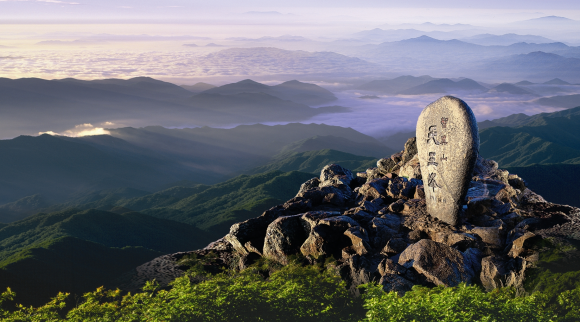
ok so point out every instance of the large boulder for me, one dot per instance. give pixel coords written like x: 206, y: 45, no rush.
x: 359, y: 241
x: 374, y: 189
x: 334, y: 174
x: 308, y: 185
x: 284, y: 237
x: 411, y: 169
x: 248, y: 236
x: 498, y: 271
x: 402, y: 188
x: 326, y: 237
x: 439, y: 263
x: 409, y: 151
x: 383, y: 229
x: 395, y: 283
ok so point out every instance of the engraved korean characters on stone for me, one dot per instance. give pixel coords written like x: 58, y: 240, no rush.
x: 448, y: 144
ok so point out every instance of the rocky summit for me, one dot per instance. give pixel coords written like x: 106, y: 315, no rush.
x: 376, y: 226
x: 448, y: 146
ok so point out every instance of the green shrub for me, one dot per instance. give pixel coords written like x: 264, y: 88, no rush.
x: 461, y: 303
x: 293, y: 293
x: 296, y: 293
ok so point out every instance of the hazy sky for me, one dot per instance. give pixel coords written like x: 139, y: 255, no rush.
x: 43, y: 10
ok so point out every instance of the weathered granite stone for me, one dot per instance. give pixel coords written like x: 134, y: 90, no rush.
x: 439, y: 263
x: 448, y: 145
x: 392, y: 282
x: 284, y: 237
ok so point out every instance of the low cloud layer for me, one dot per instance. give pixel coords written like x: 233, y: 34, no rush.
x: 392, y: 114
x: 85, y: 129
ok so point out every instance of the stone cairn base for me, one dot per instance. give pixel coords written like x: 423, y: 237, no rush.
x: 376, y: 226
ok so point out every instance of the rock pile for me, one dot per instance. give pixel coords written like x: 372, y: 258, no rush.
x: 376, y: 227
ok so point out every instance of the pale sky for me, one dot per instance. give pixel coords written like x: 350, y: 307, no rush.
x: 12, y: 10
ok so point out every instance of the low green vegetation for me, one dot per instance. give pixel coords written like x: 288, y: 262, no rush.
x: 461, y: 303
x: 557, y: 270
x: 269, y: 292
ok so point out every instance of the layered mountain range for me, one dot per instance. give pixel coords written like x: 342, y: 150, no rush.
x: 37, y: 105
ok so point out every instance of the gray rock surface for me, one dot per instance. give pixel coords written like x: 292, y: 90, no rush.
x: 439, y: 263
x: 448, y: 145
x: 284, y: 237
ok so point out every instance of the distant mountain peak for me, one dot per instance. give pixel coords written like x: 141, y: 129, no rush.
x: 556, y: 81
x: 554, y: 18
x: 248, y: 81
x: 423, y: 38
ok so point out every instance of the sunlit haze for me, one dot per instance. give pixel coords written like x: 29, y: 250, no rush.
x: 338, y: 45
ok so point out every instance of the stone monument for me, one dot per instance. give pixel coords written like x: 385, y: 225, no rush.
x: 448, y: 146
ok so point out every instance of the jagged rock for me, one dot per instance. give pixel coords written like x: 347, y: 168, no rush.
x: 166, y: 268
x: 341, y: 195
x: 359, y: 215
x: 308, y: 185
x: 339, y: 223
x: 220, y: 245
x: 516, y: 182
x: 385, y: 165
x: 473, y: 256
x: 327, y: 237
x: 493, y: 236
x: 397, y: 157
x: 402, y: 188
x: 411, y: 169
x: 372, y: 206
x: 530, y: 197
x: 396, y: 207
x: 502, y: 208
x: 359, y: 239
x: 507, y: 195
x: 374, y: 189
x: 355, y: 270
x: 480, y: 206
x: 416, y: 235
x: 248, y: 236
x: 419, y: 192
x: 388, y: 266
x: 392, y: 221
x: 334, y: 174
x: 460, y: 241
x: 396, y: 283
x: 311, y: 218
x: 284, y: 237
x: 298, y: 204
x: 414, y: 206
x: 409, y: 151
x: 394, y: 246
x: 318, y: 243
x: 383, y: 229
x: 374, y: 173
x: 497, y: 271
x: 439, y: 263
x: 511, y: 219
x: 520, y: 244
x: 484, y: 168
